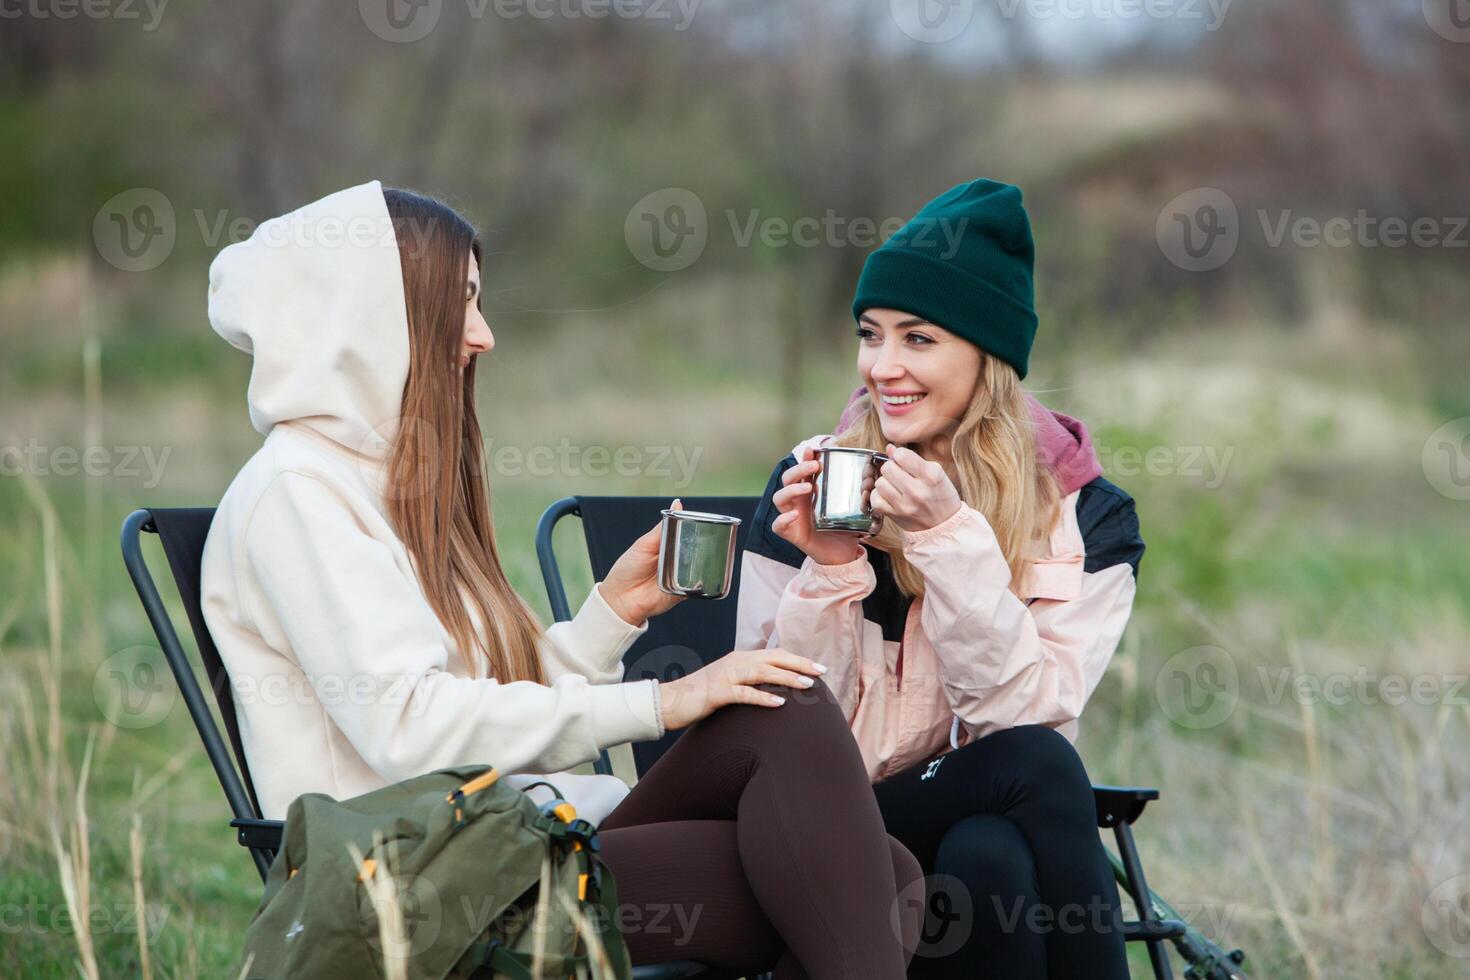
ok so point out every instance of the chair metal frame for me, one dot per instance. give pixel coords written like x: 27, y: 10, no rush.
x: 262, y: 837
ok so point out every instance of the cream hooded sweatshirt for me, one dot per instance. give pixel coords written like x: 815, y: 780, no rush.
x: 343, y: 677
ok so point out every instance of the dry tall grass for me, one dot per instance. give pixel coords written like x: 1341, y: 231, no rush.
x: 1312, y: 834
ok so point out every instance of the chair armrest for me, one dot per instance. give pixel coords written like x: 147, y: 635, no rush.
x: 264, y: 834
x: 1153, y: 930
x: 1121, y: 804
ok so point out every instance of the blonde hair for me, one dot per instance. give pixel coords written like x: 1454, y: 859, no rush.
x: 995, y: 456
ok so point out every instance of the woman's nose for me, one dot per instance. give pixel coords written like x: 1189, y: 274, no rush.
x: 480, y: 339
x: 888, y: 366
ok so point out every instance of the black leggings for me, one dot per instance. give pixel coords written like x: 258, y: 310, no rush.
x: 755, y: 842
x: 1019, y: 884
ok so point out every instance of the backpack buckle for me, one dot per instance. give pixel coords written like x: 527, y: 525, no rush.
x: 457, y: 799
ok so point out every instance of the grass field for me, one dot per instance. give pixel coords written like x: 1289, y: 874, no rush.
x: 1298, y: 559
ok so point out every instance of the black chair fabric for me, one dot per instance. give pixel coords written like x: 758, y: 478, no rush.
x: 183, y: 531
x: 696, y: 631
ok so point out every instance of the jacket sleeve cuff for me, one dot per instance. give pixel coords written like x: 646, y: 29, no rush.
x: 629, y: 712
x: 943, y: 529
x: 597, y: 627
x: 854, y: 572
x: 658, y: 704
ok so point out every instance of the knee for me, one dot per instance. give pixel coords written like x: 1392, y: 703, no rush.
x: 989, y: 855
x: 810, y: 724
x: 809, y: 714
x: 1048, y: 762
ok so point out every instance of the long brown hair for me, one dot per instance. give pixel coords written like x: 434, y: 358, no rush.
x: 438, y: 494
x: 994, y: 450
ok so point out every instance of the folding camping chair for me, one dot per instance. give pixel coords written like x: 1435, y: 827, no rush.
x: 693, y: 634
x: 182, y: 533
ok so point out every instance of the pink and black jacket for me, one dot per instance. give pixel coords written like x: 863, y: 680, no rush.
x: 975, y: 653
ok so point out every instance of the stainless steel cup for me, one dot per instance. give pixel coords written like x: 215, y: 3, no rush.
x: 696, y: 554
x: 842, y: 500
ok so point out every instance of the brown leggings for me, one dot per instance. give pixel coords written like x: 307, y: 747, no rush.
x: 755, y: 843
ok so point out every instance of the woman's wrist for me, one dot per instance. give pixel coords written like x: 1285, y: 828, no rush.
x: 619, y: 604
x: 837, y: 557
x: 675, y: 712
x: 832, y: 562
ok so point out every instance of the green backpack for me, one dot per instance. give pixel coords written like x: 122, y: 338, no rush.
x: 433, y: 877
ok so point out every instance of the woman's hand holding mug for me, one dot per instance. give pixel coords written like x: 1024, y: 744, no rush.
x: 915, y: 492
x: 732, y: 680
x: 631, y: 587
x: 794, y: 501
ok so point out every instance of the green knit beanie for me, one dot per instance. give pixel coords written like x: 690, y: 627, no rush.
x: 964, y: 263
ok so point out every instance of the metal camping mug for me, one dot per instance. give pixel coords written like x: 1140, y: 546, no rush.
x: 696, y: 554
x: 842, y: 497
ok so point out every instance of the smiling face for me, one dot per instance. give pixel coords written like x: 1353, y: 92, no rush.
x: 477, y: 336
x: 920, y: 376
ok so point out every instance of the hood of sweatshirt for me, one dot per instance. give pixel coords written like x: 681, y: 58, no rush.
x: 316, y: 298
x: 1062, y: 443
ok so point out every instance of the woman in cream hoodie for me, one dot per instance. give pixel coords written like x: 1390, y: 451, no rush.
x: 352, y: 584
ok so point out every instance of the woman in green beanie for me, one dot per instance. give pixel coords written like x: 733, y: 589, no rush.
x: 964, y: 639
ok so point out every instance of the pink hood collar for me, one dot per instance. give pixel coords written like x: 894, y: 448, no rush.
x: 1062, y: 443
